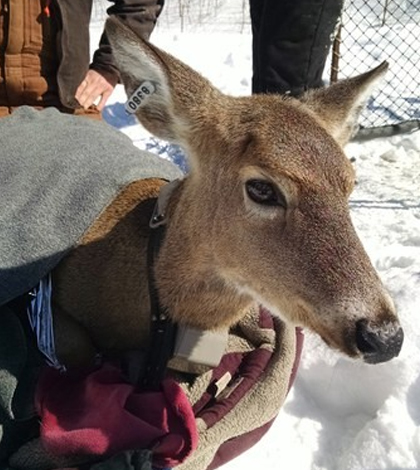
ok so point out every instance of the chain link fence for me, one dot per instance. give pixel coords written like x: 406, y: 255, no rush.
x: 369, y: 32
x: 206, y: 15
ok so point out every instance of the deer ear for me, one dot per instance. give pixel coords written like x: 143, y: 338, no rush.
x: 163, y: 93
x: 138, y: 66
x: 339, y: 105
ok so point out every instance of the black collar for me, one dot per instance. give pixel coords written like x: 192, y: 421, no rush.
x: 162, y: 329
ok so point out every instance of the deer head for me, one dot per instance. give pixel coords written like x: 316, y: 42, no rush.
x: 263, y: 214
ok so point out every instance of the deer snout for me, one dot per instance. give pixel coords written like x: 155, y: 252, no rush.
x: 378, y: 343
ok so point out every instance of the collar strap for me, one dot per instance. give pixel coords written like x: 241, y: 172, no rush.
x: 159, y: 216
x: 162, y: 329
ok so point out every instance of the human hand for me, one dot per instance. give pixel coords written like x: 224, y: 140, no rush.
x: 94, y: 85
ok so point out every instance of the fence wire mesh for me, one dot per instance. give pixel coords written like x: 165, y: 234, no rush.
x: 371, y: 31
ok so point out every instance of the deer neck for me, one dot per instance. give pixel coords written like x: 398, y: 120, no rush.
x: 190, y: 285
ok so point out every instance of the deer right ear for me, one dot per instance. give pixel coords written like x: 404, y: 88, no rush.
x: 140, y: 68
x: 166, y: 95
x: 339, y: 105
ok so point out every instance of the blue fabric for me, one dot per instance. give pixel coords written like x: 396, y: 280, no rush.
x: 41, y: 320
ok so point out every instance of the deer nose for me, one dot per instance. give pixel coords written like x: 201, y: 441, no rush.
x: 378, y: 343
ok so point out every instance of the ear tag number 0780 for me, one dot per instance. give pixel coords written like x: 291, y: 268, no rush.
x: 139, y: 97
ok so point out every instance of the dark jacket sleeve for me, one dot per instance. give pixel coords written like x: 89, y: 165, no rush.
x: 140, y: 16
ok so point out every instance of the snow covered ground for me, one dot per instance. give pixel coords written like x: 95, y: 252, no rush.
x: 340, y: 414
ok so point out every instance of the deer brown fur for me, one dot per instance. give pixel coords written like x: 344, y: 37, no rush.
x: 262, y: 217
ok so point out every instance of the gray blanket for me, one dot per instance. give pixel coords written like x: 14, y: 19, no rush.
x: 57, y: 173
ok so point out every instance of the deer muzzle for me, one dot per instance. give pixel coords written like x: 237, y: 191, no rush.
x: 378, y: 343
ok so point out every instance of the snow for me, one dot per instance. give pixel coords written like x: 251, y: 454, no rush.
x: 340, y: 414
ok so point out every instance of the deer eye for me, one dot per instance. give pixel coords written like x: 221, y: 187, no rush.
x: 265, y: 193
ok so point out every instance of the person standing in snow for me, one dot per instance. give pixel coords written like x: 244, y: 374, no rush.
x: 45, y: 53
x: 291, y: 42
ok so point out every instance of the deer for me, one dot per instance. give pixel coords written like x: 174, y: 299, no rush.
x: 261, y: 218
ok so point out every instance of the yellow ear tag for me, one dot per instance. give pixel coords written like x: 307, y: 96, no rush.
x: 139, y: 97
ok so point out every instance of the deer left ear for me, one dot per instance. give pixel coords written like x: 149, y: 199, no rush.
x: 338, y: 106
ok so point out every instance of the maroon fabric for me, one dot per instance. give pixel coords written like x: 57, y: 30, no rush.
x: 299, y: 346
x: 244, y: 378
x: 234, y: 447
x: 266, y: 319
x: 245, y: 368
x: 100, y: 414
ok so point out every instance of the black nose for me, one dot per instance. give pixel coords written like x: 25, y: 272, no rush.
x: 378, y: 343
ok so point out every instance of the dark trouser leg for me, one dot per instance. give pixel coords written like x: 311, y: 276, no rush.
x: 291, y: 41
x: 20, y: 365
x: 141, y: 16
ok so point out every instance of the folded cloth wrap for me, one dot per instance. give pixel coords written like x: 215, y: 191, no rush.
x: 57, y: 174
x: 98, y: 414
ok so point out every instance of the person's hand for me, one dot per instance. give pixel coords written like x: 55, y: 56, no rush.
x: 93, y: 86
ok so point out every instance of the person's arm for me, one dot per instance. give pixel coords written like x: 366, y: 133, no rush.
x: 103, y: 75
